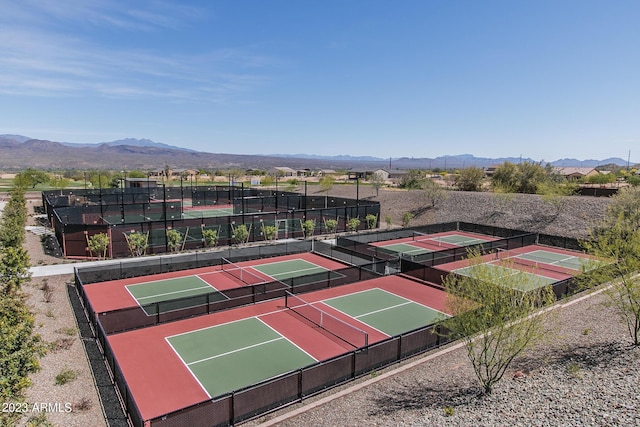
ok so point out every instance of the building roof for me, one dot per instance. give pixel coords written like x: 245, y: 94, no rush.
x: 566, y: 171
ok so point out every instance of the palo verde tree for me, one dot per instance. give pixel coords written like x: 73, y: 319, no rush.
x: 241, y: 234
x: 98, y: 245
x: 469, y: 179
x: 31, y: 177
x: 494, y: 318
x: 210, y: 237
x: 615, y: 242
x: 137, y: 243
x: 330, y: 225
x: 434, y: 192
x: 377, y: 182
x: 308, y: 227
x: 270, y: 232
x: 353, y: 224
x: 371, y: 221
x: 174, y: 240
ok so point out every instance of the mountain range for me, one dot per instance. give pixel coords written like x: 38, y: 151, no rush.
x: 18, y: 152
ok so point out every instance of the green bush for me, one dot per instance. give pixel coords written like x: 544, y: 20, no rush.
x: 66, y: 376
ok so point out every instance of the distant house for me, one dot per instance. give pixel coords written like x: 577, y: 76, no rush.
x: 323, y: 172
x: 140, y: 183
x: 397, y: 175
x: 354, y: 174
x: 575, y: 173
x: 490, y: 170
x: 282, y: 171
x: 304, y: 172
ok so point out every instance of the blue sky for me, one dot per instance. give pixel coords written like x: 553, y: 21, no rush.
x: 538, y: 79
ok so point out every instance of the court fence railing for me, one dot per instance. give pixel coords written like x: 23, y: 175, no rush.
x: 139, y: 316
x: 435, y: 276
x: 295, y: 386
x: 510, y: 239
x: 258, y: 399
x: 77, y: 215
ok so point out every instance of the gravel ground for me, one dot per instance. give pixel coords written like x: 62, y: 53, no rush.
x: 56, y: 324
x: 585, y: 375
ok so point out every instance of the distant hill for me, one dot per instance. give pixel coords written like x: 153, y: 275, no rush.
x: 18, y: 152
x: 130, y: 141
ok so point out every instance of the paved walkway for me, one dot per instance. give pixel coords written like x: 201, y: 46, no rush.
x: 60, y: 269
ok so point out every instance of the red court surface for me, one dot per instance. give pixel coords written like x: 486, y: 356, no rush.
x: 436, y: 245
x: 113, y: 295
x: 160, y: 382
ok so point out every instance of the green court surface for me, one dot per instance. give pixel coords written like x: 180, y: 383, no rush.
x: 281, y: 270
x: 405, y: 248
x: 207, y: 213
x: 518, y: 279
x: 562, y: 260
x: 452, y: 239
x: 173, y: 293
x: 384, y: 311
x: 234, y: 355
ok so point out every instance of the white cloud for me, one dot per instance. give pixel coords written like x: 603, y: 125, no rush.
x: 41, y: 55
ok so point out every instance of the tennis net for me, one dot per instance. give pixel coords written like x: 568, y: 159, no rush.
x: 240, y: 273
x: 336, y: 327
x: 533, y: 265
x: 430, y: 240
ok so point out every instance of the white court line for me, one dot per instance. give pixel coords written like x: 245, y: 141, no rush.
x: 175, y: 292
x: 383, y: 309
x: 236, y: 350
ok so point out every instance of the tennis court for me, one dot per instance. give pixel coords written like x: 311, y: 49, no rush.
x: 545, y: 259
x: 230, y: 356
x: 190, y: 288
x: 206, y: 213
x: 498, y: 273
x: 405, y: 248
x: 452, y: 239
x: 199, y: 358
x: 420, y: 243
x: 282, y: 270
x: 385, y: 311
x: 149, y: 293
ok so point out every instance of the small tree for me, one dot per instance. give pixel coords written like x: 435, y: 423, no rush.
x: 31, y: 177
x: 308, y: 227
x: 555, y: 195
x: 434, y: 192
x: 371, y: 221
x: 377, y: 181
x: 353, y: 224
x: 326, y: 183
x: 210, y: 237
x: 406, y: 219
x: 331, y: 225
x: 98, y: 245
x: 495, y: 321
x: 174, y: 240
x: 270, y: 232
x: 14, y: 268
x: 389, y: 221
x: 267, y: 181
x: 292, y: 185
x: 616, y: 243
x: 470, y: 179
x: 137, y: 243
x: 240, y: 234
